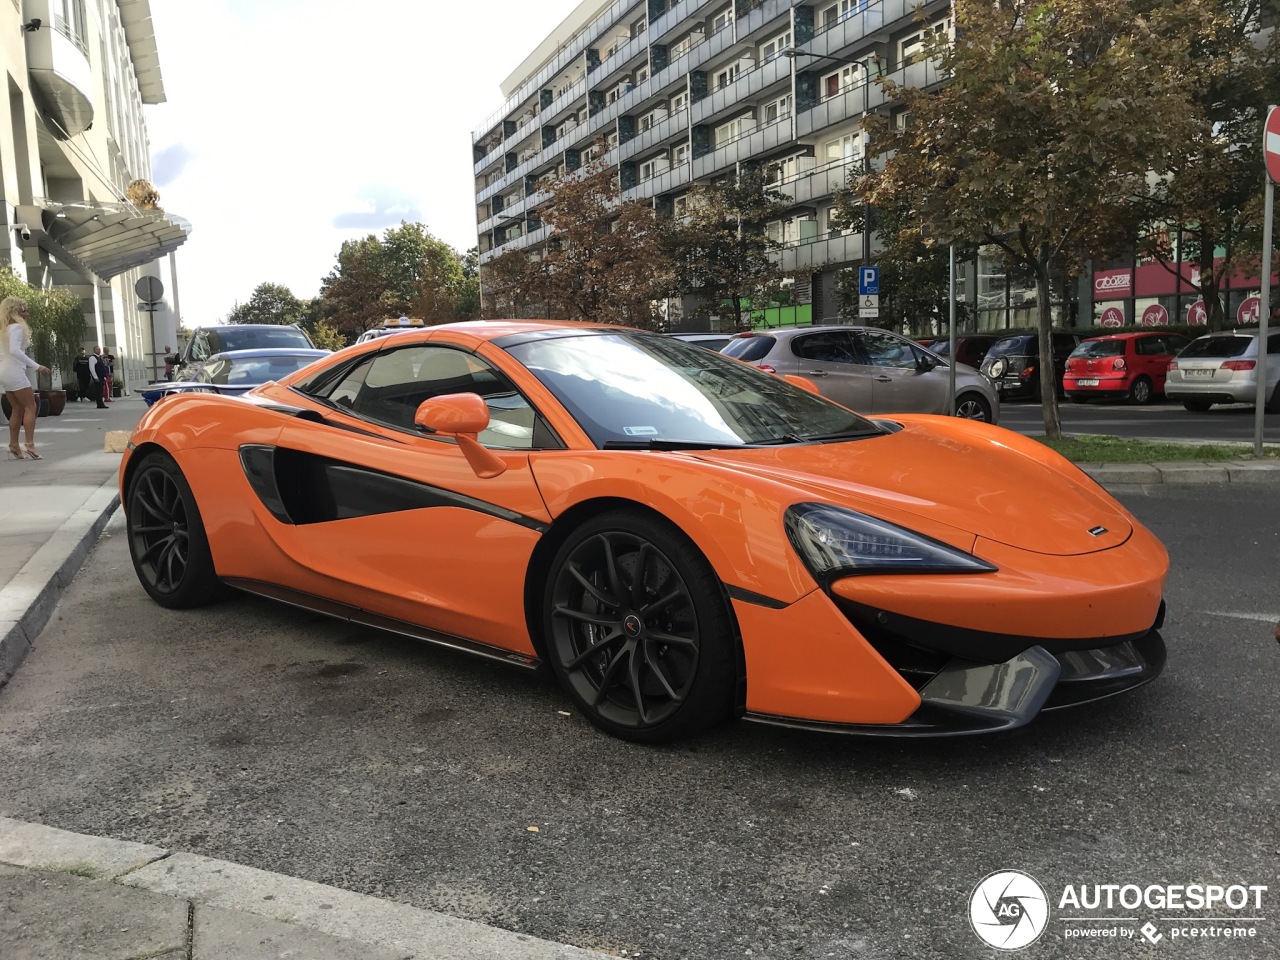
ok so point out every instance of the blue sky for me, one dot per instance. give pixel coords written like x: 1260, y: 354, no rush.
x: 293, y: 125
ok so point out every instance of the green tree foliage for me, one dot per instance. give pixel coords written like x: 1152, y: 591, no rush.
x: 604, y: 258
x: 1052, y: 119
x: 326, y: 336
x: 408, y: 272
x: 511, y: 280
x: 57, y: 321
x: 269, y: 303
x: 1214, y: 185
x: 719, y: 251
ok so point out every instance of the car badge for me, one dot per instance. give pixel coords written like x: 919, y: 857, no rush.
x: 1097, y: 531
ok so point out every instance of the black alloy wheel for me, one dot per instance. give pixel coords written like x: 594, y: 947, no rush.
x: 973, y: 406
x: 638, y: 629
x: 1140, y: 391
x: 166, y: 536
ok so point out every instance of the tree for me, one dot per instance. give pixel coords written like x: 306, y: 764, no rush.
x: 1052, y: 118
x: 720, y: 251
x: 57, y: 321
x: 510, y: 280
x: 327, y: 337
x: 269, y: 303
x: 604, y: 259
x: 1212, y: 195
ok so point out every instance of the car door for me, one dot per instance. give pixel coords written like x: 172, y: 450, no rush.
x: 395, y: 521
x: 830, y: 359
x: 899, y: 382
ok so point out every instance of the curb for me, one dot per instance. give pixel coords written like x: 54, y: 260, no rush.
x: 301, y: 904
x: 1190, y: 473
x: 27, y: 601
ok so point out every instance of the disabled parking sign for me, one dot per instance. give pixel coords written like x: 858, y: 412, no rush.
x: 868, y: 281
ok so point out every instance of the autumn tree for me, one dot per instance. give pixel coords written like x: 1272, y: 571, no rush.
x: 1211, y: 196
x: 604, y: 259
x: 510, y: 281
x: 720, y: 251
x: 269, y: 303
x: 1051, y: 119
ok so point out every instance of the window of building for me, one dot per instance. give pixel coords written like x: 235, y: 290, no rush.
x: 722, y: 19
x: 679, y: 154
x: 684, y: 45
x: 732, y: 130
x: 726, y: 76
x: 833, y: 14
x: 776, y: 110
x: 680, y: 206
x: 912, y: 48
x: 679, y: 101
x: 775, y: 46
x: 642, y: 74
x: 837, y: 82
x: 639, y: 27
x: 652, y: 167
x: 847, y: 147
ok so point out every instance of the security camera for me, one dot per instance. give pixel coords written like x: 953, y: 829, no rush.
x: 23, y: 231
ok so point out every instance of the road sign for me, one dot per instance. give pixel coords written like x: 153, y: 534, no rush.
x: 868, y: 281
x: 1271, y: 143
x: 149, y: 288
x: 869, y: 305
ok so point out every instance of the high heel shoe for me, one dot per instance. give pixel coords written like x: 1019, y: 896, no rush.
x: 15, y: 453
x: 31, y: 452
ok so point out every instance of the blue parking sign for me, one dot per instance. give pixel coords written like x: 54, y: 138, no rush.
x: 868, y: 281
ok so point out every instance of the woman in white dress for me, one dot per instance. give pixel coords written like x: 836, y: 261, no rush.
x: 15, y: 341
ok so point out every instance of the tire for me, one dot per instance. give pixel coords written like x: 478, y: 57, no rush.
x: 166, y: 537
x: 1140, y: 391
x: 973, y: 406
x: 638, y: 630
x: 1197, y: 406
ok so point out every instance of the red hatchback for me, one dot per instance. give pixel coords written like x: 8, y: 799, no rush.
x: 1129, y: 365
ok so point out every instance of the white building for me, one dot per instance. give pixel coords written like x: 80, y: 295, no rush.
x: 71, y: 143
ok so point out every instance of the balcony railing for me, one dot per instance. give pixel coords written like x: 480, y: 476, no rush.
x: 820, y: 182
x: 745, y: 86
x: 666, y: 182
x: 864, y: 97
x: 673, y: 18
x: 822, y: 249
x: 659, y: 133
x: 742, y: 148
x: 765, y: 13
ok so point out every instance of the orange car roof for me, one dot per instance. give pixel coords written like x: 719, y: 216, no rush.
x: 493, y: 329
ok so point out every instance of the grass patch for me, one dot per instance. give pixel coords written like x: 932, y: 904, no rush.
x: 1099, y: 449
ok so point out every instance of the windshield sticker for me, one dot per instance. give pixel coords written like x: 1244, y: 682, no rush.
x: 640, y: 431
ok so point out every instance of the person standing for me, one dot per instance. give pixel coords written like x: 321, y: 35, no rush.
x: 100, y: 374
x: 81, y: 368
x: 109, y: 386
x: 168, y: 362
x: 15, y: 341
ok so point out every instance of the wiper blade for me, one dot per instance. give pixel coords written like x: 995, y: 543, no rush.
x: 842, y: 435
x: 660, y: 443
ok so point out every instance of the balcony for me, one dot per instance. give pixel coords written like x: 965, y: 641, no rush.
x: 767, y: 12
x: 675, y: 17
x: 819, y: 183
x: 825, y: 249
x: 60, y: 72
x: 656, y: 135
x: 666, y: 182
x: 522, y: 242
x: 758, y: 141
x: 745, y: 87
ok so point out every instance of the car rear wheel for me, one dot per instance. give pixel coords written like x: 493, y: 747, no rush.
x: 638, y: 630
x: 166, y: 536
x: 973, y: 406
x: 1140, y: 391
x: 1197, y: 406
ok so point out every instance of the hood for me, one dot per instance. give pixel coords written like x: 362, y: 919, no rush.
x: 971, y: 477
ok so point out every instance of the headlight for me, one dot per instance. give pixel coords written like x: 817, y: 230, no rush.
x: 997, y: 368
x: 833, y: 541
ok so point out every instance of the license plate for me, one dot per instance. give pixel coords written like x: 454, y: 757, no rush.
x: 1197, y: 373
x: 1086, y: 383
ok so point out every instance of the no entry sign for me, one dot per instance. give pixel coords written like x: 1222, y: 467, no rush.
x: 1271, y: 144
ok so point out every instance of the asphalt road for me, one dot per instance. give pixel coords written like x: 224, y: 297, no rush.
x: 255, y: 733
x: 1158, y: 421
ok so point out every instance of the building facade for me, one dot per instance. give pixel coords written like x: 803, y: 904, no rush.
x: 75, y: 166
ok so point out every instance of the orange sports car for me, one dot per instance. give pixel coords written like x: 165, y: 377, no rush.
x: 680, y: 537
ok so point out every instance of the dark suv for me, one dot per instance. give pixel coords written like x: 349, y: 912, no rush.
x: 1013, y: 364
x: 206, y: 341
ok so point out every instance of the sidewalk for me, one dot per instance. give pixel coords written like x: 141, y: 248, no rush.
x: 70, y: 895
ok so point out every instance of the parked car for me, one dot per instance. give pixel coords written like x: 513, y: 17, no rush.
x: 1223, y: 368
x: 394, y: 325
x: 712, y: 341
x: 679, y: 538
x: 868, y: 369
x: 1128, y: 365
x: 236, y: 371
x: 971, y: 348
x: 206, y: 341
x: 1013, y: 363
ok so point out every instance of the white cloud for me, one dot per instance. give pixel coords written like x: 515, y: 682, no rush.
x: 293, y: 125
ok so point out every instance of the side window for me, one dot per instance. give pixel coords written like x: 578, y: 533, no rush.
x: 200, y: 346
x: 825, y: 347
x: 392, y: 384
x: 1147, y: 346
x: 885, y: 350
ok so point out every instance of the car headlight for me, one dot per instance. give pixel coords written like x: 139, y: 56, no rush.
x: 833, y: 541
x: 998, y: 367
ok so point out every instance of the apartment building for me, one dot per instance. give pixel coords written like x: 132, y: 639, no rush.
x: 688, y: 91
x: 73, y: 141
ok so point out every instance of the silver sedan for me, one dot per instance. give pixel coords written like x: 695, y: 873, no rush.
x: 868, y: 370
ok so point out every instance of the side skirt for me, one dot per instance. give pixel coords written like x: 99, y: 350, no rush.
x: 343, y: 611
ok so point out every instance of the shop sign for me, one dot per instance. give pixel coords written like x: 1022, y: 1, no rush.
x: 1107, y: 286
x: 1250, y: 310
x: 1197, y: 314
x: 1112, y: 317
x: 1155, y: 316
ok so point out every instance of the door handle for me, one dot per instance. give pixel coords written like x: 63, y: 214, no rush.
x: 883, y: 379
x: 815, y: 373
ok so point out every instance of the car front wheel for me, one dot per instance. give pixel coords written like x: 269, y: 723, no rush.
x: 167, y: 540
x: 638, y: 630
x: 973, y: 406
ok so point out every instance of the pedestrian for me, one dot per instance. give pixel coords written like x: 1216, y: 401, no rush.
x: 100, y: 374
x: 109, y: 385
x: 81, y: 368
x: 168, y: 362
x: 15, y: 341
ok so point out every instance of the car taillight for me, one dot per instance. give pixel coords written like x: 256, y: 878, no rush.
x: 766, y: 368
x: 1028, y: 370
x: 745, y: 336
x: 1239, y: 364
x: 1117, y: 363
x: 1173, y: 364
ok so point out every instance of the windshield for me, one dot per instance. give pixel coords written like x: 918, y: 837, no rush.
x: 1014, y: 346
x: 1216, y: 347
x: 255, y: 338
x: 639, y: 389
x: 251, y: 371
x: 1099, y: 348
x: 748, y: 349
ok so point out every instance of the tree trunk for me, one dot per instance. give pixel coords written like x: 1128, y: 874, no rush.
x: 1048, y: 378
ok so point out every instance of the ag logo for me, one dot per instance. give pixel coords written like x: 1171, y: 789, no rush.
x: 1008, y: 910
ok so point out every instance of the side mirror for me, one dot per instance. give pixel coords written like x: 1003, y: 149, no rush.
x: 461, y: 416
x: 804, y: 383
x: 925, y: 362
